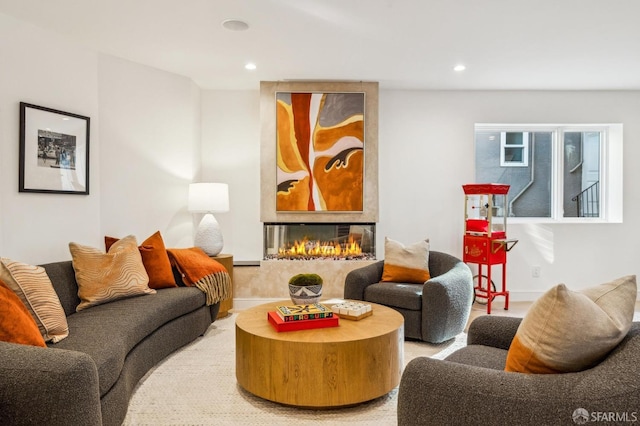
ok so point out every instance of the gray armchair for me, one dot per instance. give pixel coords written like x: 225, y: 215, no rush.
x: 435, y: 311
x: 470, y: 386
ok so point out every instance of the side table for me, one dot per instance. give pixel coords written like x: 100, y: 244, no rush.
x: 227, y: 261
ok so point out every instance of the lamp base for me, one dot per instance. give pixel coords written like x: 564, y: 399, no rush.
x: 209, y: 237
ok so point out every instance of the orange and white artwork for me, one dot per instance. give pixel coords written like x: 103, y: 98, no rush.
x: 320, y: 152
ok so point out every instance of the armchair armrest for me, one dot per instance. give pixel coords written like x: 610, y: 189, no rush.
x: 357, y: 280
x: 446, y: 298
x: 495, y: 331
x: 47, y: 386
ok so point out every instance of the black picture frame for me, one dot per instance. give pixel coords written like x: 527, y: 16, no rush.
x: 54, y: 151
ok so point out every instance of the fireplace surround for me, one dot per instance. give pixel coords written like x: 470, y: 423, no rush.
x: 273, y: 272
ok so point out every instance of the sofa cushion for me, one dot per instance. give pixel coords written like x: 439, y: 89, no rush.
x: 104, y: 277
x: 109, y: 331
x: 406, y: 264
x: 16, y: 323
x: 32, y: 285
x: 155, y: 260
x: 567, y: 331
x: 398, y: 295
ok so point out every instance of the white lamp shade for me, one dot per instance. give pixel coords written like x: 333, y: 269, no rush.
x: 208, y: 197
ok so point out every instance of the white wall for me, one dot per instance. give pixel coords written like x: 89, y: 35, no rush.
x: 426, y: 151
x: 43, y: 69
x: 149, y: 121
x: 231, y: 154
x: 150, y: 128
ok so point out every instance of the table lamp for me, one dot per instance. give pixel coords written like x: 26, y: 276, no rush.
x: 209, y: 198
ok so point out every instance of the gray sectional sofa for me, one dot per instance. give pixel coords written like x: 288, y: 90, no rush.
x: 89, y: 377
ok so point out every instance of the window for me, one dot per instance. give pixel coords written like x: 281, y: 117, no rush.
x: 567, y: 173
x: 514, y: 149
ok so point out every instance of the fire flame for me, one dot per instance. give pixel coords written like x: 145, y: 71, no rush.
x: 321, y: 249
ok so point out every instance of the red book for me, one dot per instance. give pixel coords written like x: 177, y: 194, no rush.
x: 281, y: 325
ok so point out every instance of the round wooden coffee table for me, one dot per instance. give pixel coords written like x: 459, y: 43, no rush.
x: 328, y: 367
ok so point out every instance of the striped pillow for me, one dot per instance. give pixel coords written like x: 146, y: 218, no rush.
x: 406, y: 264
x: 33, y: 286
x: 566, y: 331
x: 105, y: 277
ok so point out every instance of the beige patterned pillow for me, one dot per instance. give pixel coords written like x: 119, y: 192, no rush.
x: 105, y: 277
x: 566, y: 331
x: 34, y: 288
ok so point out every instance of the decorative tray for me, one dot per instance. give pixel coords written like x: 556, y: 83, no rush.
x: 352, y: 310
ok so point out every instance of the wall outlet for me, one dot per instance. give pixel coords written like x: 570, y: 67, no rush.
x: 535, y: 272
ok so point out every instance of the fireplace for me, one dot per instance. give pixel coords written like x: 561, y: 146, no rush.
x: 319, y: 241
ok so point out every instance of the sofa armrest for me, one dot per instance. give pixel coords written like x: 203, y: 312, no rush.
x: 494, y: 331
x: 357, y: 280
x: 47, y: 386
x: 446, y: 301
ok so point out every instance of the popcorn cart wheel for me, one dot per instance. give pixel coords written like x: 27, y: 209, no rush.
x: 480, y: 283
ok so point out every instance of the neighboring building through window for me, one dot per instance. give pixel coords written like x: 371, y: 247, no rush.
x: 514, y: 149
x: 556, y: 172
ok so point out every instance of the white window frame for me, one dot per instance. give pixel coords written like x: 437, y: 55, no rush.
x: 611, y: 169
x: 524, y: 147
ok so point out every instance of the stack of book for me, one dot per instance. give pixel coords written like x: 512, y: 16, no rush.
x: 302, y: 317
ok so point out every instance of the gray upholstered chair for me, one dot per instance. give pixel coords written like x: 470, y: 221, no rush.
x: 435, y: 311
x: 470, y: 386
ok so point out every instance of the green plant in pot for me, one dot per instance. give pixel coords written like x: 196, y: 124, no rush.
x: 305, y: 289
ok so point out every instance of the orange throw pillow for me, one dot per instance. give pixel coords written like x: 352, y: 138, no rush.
x: 16, y: 323
x: 155, y: 260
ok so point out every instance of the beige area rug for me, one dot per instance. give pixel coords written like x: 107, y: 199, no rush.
x: 197, y: 386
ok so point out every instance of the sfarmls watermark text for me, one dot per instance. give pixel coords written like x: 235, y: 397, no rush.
x: 581, y: 416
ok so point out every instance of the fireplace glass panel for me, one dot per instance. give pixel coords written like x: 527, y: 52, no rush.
x: 335, y: 241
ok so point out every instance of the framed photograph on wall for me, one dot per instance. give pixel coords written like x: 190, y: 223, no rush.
x: 54, y: 151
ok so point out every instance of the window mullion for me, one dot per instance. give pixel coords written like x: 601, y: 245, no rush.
x: 557, y: 180
x: 604, y: 172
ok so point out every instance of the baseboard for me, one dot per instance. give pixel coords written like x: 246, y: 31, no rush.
x: 530, y: 296
x: 524, y: 296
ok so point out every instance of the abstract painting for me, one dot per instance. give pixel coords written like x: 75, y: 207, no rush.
x: 320, y: 152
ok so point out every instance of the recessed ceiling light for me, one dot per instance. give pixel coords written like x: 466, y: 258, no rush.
x: 235, y: 25
x: 459, y: 68
x: 250, y: 66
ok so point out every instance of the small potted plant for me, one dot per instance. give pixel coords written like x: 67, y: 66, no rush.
x: 305, y: 289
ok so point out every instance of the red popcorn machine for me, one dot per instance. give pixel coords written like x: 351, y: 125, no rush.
x: 485, y: 238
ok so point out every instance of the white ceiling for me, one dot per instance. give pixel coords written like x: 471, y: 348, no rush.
x: 403, y: 44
